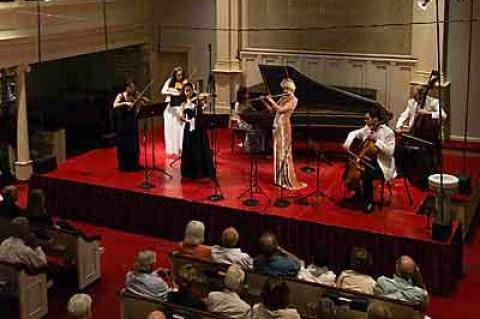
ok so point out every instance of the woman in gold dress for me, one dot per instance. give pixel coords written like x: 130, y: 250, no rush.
x: 282, y: 137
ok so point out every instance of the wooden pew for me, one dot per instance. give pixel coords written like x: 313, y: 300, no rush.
x: 77, y: 248
x: 134, y: 307
x: 74, y: 247
x: 303, y: 295
x: 28, y: 288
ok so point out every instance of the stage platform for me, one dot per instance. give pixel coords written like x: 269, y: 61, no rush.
x: 90, y: 188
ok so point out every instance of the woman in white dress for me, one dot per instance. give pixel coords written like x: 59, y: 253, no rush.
x: 172, y: 124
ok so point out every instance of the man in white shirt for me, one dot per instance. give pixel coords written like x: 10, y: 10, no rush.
x: 431, y: 107
x: 228, y: 253
x: 22, y: 247
x: 227, y: 302
x: 383, y: 167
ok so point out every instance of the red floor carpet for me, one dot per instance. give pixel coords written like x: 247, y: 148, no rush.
x: 121, y: 248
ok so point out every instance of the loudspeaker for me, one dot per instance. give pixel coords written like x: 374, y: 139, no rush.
x: 441, y: 232
x: 45, y: 164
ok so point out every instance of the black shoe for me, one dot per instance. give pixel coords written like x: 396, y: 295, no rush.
x: 369, y: 207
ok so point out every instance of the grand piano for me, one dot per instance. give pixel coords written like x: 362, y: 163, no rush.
x: 323, y: 112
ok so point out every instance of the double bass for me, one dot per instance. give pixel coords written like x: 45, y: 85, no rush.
x: 416, y: 153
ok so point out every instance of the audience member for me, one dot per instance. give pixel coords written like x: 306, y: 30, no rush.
x: 144, y: 281
x: 228, y: 253
x: 318, y: 270
x: 36, y: 211
x: 185, y: 294
x: 275, y: 299
x: 8, y: 206
x: 22, y: 247
x: 406, y: 284
x: 157, y: 314
x: 356, y: 278
x: 326, y: 309
x: 228, y: 302
x: 378, y: 311
x: 80, y: 306
x: 273, y: 259
x: 193, y: 240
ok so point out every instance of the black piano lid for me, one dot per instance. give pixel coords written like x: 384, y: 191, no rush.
x: 315, y: 94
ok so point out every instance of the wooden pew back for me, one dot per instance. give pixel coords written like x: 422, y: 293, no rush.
x: 28, y: 287
x: 134, y: 307
x: 303, y: 295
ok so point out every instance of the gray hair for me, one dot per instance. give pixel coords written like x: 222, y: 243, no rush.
x: 80, y: 306
x: 145, y: 261
x: 234, y: 277
x: 194, y: 233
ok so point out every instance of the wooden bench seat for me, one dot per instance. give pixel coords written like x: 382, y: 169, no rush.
x: 304, y: 295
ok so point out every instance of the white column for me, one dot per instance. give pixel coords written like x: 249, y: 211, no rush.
x: 227, y: 65
x: 23, y: 165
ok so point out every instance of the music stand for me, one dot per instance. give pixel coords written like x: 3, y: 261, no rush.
x: 253, y: 187
x: 147, y: 112
x: 320, y: 157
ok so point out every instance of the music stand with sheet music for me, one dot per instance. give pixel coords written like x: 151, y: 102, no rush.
x: 147, y: 112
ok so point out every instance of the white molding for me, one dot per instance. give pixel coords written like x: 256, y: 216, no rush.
x: 470, y: 139
x: 408, y: 59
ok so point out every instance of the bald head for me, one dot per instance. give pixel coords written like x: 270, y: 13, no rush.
x: 405, y: 267
x: 157, y: 314
x: 268, y: 244
x: 230, y: 237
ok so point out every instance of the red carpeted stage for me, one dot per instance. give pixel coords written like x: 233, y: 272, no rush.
x: 90, y: 188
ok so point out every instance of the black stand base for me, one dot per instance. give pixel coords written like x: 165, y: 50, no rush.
x: 251, y: 202
x: 146, y: 185
x: 307, y: 169
x: 216, y: 197
x: 281, y: 203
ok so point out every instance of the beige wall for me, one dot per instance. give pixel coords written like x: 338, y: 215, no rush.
x: 322, y: 13
x: 172, y: 23
x: 69, y: 28
x: 457, y: 66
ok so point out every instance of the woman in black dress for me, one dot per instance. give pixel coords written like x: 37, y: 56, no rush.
x: 127, y: 128
x: 197, y: 159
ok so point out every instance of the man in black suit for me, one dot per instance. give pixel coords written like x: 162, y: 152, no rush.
x: 8, y: 206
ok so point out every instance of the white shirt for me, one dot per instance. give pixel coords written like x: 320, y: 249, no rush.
x: 231, y: 256
x: 408, y: 115
x: 352, y: 280
x: 259, y: 311
x: 169, y: 91
x: 13, y: 250
x: 385, y: 144
x: 228, y: 304
x: 317, y: 274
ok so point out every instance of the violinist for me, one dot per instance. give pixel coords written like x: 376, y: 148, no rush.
x: 379, y: 140
x: 414, y: 108
x: 125, y: 107
x: 197, y: 161
x: 172, y: 124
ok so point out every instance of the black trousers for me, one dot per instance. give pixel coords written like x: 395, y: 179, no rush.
x: 369, y: 175
x: 128, y: 147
